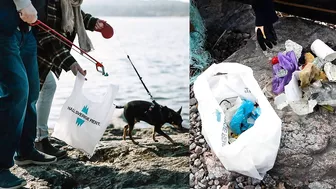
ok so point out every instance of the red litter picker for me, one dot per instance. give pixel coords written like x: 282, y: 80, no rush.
x: 99, y: 65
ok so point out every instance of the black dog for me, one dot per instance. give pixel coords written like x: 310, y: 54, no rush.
x: 153, y: 114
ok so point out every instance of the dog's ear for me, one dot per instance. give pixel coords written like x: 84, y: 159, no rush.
x: 180, y: 110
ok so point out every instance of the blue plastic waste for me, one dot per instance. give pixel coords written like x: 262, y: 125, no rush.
x: 244, y: 117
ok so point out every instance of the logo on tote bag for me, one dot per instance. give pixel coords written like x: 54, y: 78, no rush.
x: 83, y: 116
x: 80, y: 121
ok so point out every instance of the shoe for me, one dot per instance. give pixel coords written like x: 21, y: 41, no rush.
x: 45, y: 147
x: 35, y: 157
x: 10, y: 181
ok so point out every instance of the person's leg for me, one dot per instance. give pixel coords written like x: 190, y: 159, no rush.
x: 13, y: 103
x: 26, y: 153
x: 43, y: 106
x: 43, y: 110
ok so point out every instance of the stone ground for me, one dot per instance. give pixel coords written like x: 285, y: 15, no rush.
x: 307, y: 154
x: 117, y: 164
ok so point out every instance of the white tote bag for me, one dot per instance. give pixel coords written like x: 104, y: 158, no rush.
x: 255, y: 150
x: 83, y: 121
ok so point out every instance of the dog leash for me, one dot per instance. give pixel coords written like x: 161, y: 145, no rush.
x: 67, y: 42
x: 136, y: 71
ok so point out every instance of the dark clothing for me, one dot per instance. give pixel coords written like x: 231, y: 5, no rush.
x: 9, y: 17
x: 19, y: 90
x: 53, y: 55
x: 265, y: 12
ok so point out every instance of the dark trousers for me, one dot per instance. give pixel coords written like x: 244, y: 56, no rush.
x: 19, y: 90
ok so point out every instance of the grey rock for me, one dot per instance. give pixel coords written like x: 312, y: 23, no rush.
x: 249, y: 181
x: 191, y: 180
x: 199, y: 174
x: 213, y: 187
x: 193, y: 157
x: 216, y: 182
x: 258, y: 187
x: 202, y: 141
x: 255, y: 181
x: 203, y: 186
x: 241, y: 185
x: 192, y: 146
x: 198, y: 150
x: 197, y: 162
x: 211, y: 182
x: 193, y: 109
x: 249, y: 187
x: 240, y: 179
x: 193, y: 101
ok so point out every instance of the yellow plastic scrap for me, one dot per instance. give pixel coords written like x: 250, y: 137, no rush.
x: 309, y: 58
x: 311, y: 73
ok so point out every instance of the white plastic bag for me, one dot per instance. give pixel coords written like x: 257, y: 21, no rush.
x: 255, y: 151
x: 83, y: 121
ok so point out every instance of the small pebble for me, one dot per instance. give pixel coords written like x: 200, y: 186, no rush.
x: 193, y: 157
x: 211, y: 176
x: 249, y: 180
x: 255, y: 181
x: 216, y: 182
x: 211, y: 182
x: 192, y: 146
x: 193, y: 101
x: 240, y: 179
x: 193, y: 109
x: 201, y: 185
x: 213, y: 187
x: 241, y: 185
x: 197, y: 162
x: 198, y: 150
x: 249, y: 187
x: 191, y: 180
x: 200, y: 174
x: 202, y: 141
x: 257, y: 187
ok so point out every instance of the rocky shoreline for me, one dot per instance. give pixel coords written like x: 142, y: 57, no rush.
x: 117, y: 164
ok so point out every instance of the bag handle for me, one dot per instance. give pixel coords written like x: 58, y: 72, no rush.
x: 80, y: 79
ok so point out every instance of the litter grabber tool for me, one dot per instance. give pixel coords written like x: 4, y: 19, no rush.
x: 61, y: 38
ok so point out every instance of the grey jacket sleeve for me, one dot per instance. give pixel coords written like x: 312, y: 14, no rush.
x: 20, y: 4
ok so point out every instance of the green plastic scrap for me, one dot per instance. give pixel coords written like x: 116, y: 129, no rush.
x: 199, y: 57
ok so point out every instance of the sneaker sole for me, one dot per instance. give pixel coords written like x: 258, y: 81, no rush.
x: 24, y: 183
x: 30, y: 162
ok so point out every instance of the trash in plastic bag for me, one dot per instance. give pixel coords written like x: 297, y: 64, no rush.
x: 245, y: 117
x: 231, y: 108
x: 282, y: 72
x: 254, y: 152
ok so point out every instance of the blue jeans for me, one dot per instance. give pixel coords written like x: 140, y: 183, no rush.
x: 19, y: 90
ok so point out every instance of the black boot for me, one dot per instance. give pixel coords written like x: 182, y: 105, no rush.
x: 45, y: 147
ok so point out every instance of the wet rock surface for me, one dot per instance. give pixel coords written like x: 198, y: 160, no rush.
x: 307, y: 154
x: 117, y: 164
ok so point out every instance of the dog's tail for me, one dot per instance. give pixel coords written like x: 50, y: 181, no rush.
x: 119, y: 107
